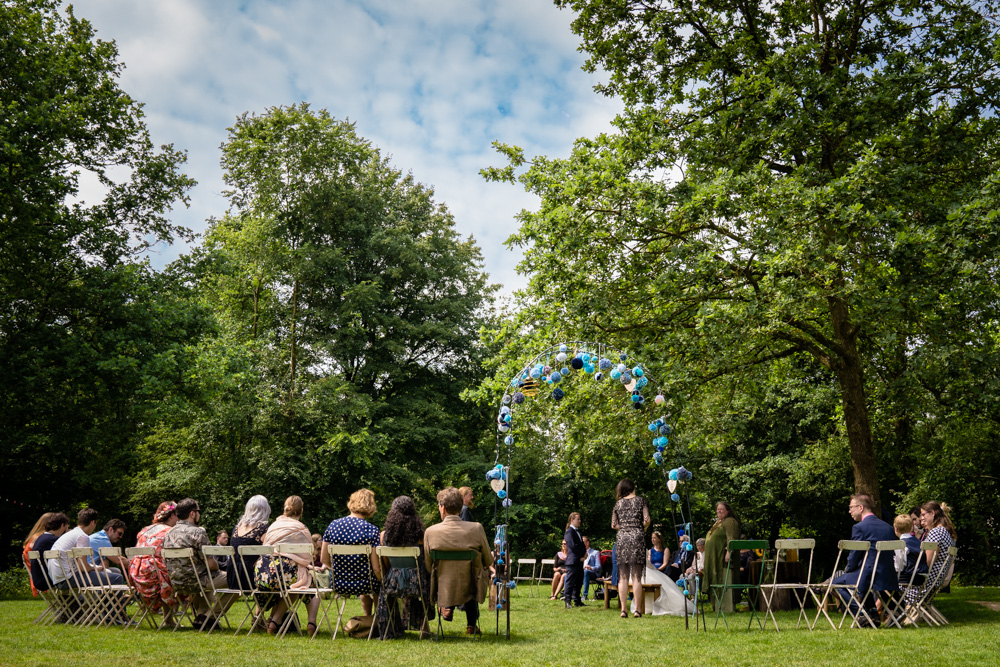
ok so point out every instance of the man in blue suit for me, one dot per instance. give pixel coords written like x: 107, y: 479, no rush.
x: 871, y: 529
x: 576, y: 552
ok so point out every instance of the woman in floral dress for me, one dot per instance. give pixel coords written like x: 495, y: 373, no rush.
x: 149, y: 573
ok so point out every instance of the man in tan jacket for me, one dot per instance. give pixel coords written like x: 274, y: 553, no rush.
x: 456, y: 584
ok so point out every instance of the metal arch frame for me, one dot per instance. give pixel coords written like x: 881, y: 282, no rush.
x: 501, y: 512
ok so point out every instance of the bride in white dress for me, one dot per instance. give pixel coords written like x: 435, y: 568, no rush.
x: 671, y: 600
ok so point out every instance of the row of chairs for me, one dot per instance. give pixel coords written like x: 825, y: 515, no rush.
x: 536, y: 577
x: 856, y: 597
x: 103, y: 603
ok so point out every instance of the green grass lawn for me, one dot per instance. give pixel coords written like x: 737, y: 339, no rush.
x: 542, y: 633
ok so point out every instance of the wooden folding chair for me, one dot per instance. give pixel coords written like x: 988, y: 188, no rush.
x: 132, y: 553
x: 533, y: 562
x: 852, y: 590
x: 248, y: 584
x: 336, y: 552
x: 801, y: 590
x: 729, y: 583
x: 402, y: 558
x: 438, y: 555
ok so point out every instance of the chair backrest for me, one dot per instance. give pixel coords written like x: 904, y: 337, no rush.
x: 527, y: 561
x: 245, y: 577
x: 80, y: 556
x: 548, y: 561
x: 139, y: 552
x: 733, y: 564
x: 338, y: 551
x: 107, y: 553
x: 298, y: 549
x: 212, y: 551
x: 801, y: 544
x: 184, y: 553
x: 37, y: 556
x: 400, y: 557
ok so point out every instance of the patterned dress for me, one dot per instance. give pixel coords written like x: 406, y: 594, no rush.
x: 630, y: 517
x: 149, y: 573
x: 239, y: 572
x: 405, y: 584
x: 352, y: 575
x: 940, y: 535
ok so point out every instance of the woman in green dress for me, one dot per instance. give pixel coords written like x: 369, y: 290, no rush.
x: 726, y: 527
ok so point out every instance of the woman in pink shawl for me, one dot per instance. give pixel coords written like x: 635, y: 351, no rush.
x: 293, y: 569
x: 149, y: 573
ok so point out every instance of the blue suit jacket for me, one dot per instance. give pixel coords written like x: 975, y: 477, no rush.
x: 872, y: 529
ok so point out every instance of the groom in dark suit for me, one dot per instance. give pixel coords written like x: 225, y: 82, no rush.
x: 883, y: 578
x: 576, y: 552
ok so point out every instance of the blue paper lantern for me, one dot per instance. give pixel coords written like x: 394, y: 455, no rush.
x: 658, y: 457
x: 621, y: 368
x: 558, y: 393
x: 519, y: 398
x: 501, y: 494
x: 492, y: 474
x: 507, y: 417
x: 616, y: 374
x: 565, y: 371
x: 664, y: 430
x: 680, y: 533
x: 535, y: 373
x: 504, y: 410
x: 507, y: 502
x: 675, y: 497
x: 688, y: 546
x: 556, y: 377
x: 563, y: 348
x: 604, y: 364
x: 652, y: 427
x: 672, y: 474
x: 509, y: 440
x: 586, y: 358
x: 623, y: 356
x: 637, y: 371
x: 641, y: 382
x: 576, y: 363
x: 589, y: 368
x: 637, y: 398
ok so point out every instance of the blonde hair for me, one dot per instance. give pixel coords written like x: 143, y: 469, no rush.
x: 293, y: 507
x: 903, y: 523
x: 362, y: 502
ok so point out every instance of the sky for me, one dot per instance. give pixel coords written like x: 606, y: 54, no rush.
x: 430, y: 82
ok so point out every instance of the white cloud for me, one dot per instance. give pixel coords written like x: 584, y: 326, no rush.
x: 431, y: 82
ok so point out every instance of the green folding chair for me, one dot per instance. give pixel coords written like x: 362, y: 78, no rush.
x: 438, y: 555
x: 731, y: 581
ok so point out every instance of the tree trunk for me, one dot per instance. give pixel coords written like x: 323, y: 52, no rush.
x: 295, y: 308
x: 847, y: 367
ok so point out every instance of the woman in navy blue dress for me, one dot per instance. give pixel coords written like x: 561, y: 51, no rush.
x: 354, y: 575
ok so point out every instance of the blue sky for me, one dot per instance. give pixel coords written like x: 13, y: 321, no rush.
x: 431, y: 82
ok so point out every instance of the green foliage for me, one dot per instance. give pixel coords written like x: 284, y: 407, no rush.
x: 14, y: 583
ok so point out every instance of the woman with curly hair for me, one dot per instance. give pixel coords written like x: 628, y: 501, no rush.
x: 402, y: 580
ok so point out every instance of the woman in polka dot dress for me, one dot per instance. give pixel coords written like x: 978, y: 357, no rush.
x: 354, y: 575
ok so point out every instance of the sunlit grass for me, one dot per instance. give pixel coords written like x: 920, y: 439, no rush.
x: 542, y: 633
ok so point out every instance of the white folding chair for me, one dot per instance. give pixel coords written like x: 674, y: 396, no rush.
x: 98, y: 608
x: 53, y: 603
x: 223, y: 596
x: 132, y: 553
x: 248, y: 584
x: 852, y: 590
x: 801, y: 590
x: 533, y: 562
x: 336, y: 552
x: 187, y: 604
x: 401, y: 557
x: 70, y: 607
x: 542, y: 579
x: 922, y: 608
x: 293, y: 597
x: 117, y: 596
x: 884, y: 549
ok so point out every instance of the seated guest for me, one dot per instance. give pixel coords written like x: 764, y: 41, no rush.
x: 917, y: 528
x: 454, y: 585
x: 108, y: 537
x: 29, y: 543
x: 187, y: 534
x: 936, y: 520
x: 403, y: 528
x: 681, y: 559
x: 907, y: 559
x: 293, y: 569
x: 697, y: 567
x: 64, y: 569
x: 248, y: 532
x: 351, y: 575
x: 222, y: 540
x: 468, y: 502
x: 558, y: 571
x: 591, y: 566
x: 871, y: 529
x: 658, y: 555
x: 747, y: 556
x: 149, y: 573
x: 56, y: 525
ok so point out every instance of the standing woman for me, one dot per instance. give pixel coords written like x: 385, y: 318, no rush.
x: 725, y: 528
x: 937, y: 522
x: 630, y: 518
